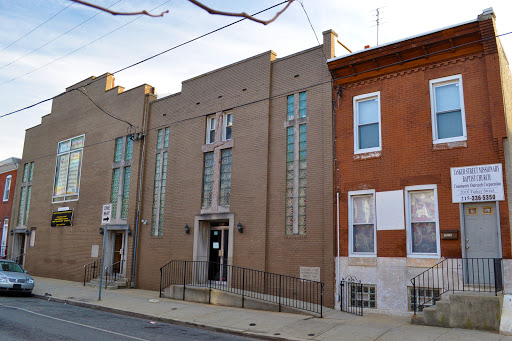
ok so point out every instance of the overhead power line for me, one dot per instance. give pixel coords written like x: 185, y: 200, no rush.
x: 51, y: 41
x: 139, y: 62
x: 35, y: 28
x: 78, y: 49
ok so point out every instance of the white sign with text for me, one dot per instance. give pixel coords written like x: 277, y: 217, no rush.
x: 477, y: 183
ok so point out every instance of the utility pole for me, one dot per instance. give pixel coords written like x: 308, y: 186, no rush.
x: 378, y: 22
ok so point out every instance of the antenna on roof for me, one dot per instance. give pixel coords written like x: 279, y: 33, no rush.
x: 377, y: 21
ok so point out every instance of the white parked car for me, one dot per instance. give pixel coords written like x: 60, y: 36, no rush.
x: 14, y: 279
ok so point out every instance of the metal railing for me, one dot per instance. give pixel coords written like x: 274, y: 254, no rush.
x: 351, y: 296
x: 113, y: 272
x: 456, y: 274
x: 92, y: 270
x: 283, y: 290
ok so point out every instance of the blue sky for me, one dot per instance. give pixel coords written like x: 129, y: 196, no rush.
x: 352, y: 20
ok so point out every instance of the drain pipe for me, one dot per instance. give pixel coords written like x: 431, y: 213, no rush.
x: 139, y: 192
x: 338, y: 242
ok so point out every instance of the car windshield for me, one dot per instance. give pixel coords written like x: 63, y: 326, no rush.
x: 9, y: 266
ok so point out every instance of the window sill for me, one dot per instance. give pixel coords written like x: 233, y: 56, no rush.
x: 422, y: 261
x: 290, y: 236
x: 354, y: 260
x: 450, y: 145
x: 366, y: 156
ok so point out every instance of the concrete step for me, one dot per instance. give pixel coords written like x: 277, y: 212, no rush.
x: 119, y: 284
x: 468, y: 310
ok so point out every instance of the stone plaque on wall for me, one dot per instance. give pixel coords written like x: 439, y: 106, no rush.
x: 95, y: 251
x: 311, y: 273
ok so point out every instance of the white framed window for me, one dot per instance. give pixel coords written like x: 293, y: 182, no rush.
x: 447, y: 106
x: 367, y: 130
x: 67, y: 170
x: 211, y: 122
x: 227, y: 126
x: 7, y: 187
x: 422, y: 219
x: 362, y: 235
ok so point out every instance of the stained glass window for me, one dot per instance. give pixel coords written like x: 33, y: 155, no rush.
x: 363, y: 224
x: 23, y: 197
x: 67, y: 171
x: 207, y: 179
x: 166, y: 137
x: 225, y: 177
x: 423, y: 221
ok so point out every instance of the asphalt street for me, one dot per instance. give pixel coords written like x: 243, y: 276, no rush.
x: 28, y: 318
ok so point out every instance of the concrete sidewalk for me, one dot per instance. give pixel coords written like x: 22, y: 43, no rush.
x: 335, y: 325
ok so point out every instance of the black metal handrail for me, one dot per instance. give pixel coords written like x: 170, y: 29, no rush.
x: 283, y: 290
x: 92, y: 270
x: 113, y: 272
x: 351, y: 297
x: 456, y: 274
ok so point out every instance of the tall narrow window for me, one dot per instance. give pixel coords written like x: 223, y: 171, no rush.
x: 225, y: 177
x: 362, y: 229
x: 448, y: 116
x: 157, y: 222
x: 26, y: 191
x: 367, y: 137
x: 296, y: 164
x: 227, y: 126
x: 121, y: 172
x: 7, y: 187
x: 207, y: 179
x: 422, y: 221
x: 67, y: 171
x: 210, y: 129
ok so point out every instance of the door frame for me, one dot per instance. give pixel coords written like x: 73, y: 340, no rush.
x: 111, y: 231
x: 201, y: 235
x: 463, y: 227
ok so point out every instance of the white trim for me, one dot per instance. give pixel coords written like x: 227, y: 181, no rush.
x: 356, y: 100
x: 209, y: 129
x: 7, y: 188
x: 66, y: 197
x: 351, y: 253
x: 454, y: 79
x: 225, y: 125
x: 409, y: 189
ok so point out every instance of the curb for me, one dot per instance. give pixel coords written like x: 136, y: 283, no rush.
x: 162, y: 319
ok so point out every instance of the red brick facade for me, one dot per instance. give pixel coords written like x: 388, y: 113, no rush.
x: 401, y: 72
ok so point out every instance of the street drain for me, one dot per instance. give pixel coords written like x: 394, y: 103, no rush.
x: 277, y: 334
x: 311, y: 334
x: 252, y: 324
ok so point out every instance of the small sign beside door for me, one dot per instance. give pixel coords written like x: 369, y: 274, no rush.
x: 106, y: 214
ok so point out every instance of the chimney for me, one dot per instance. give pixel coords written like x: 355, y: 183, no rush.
x: 330, y: 38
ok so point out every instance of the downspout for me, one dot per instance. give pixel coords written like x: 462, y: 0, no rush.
x: 139, y: 192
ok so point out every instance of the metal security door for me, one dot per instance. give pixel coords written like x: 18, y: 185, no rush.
x: 481, y: 241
